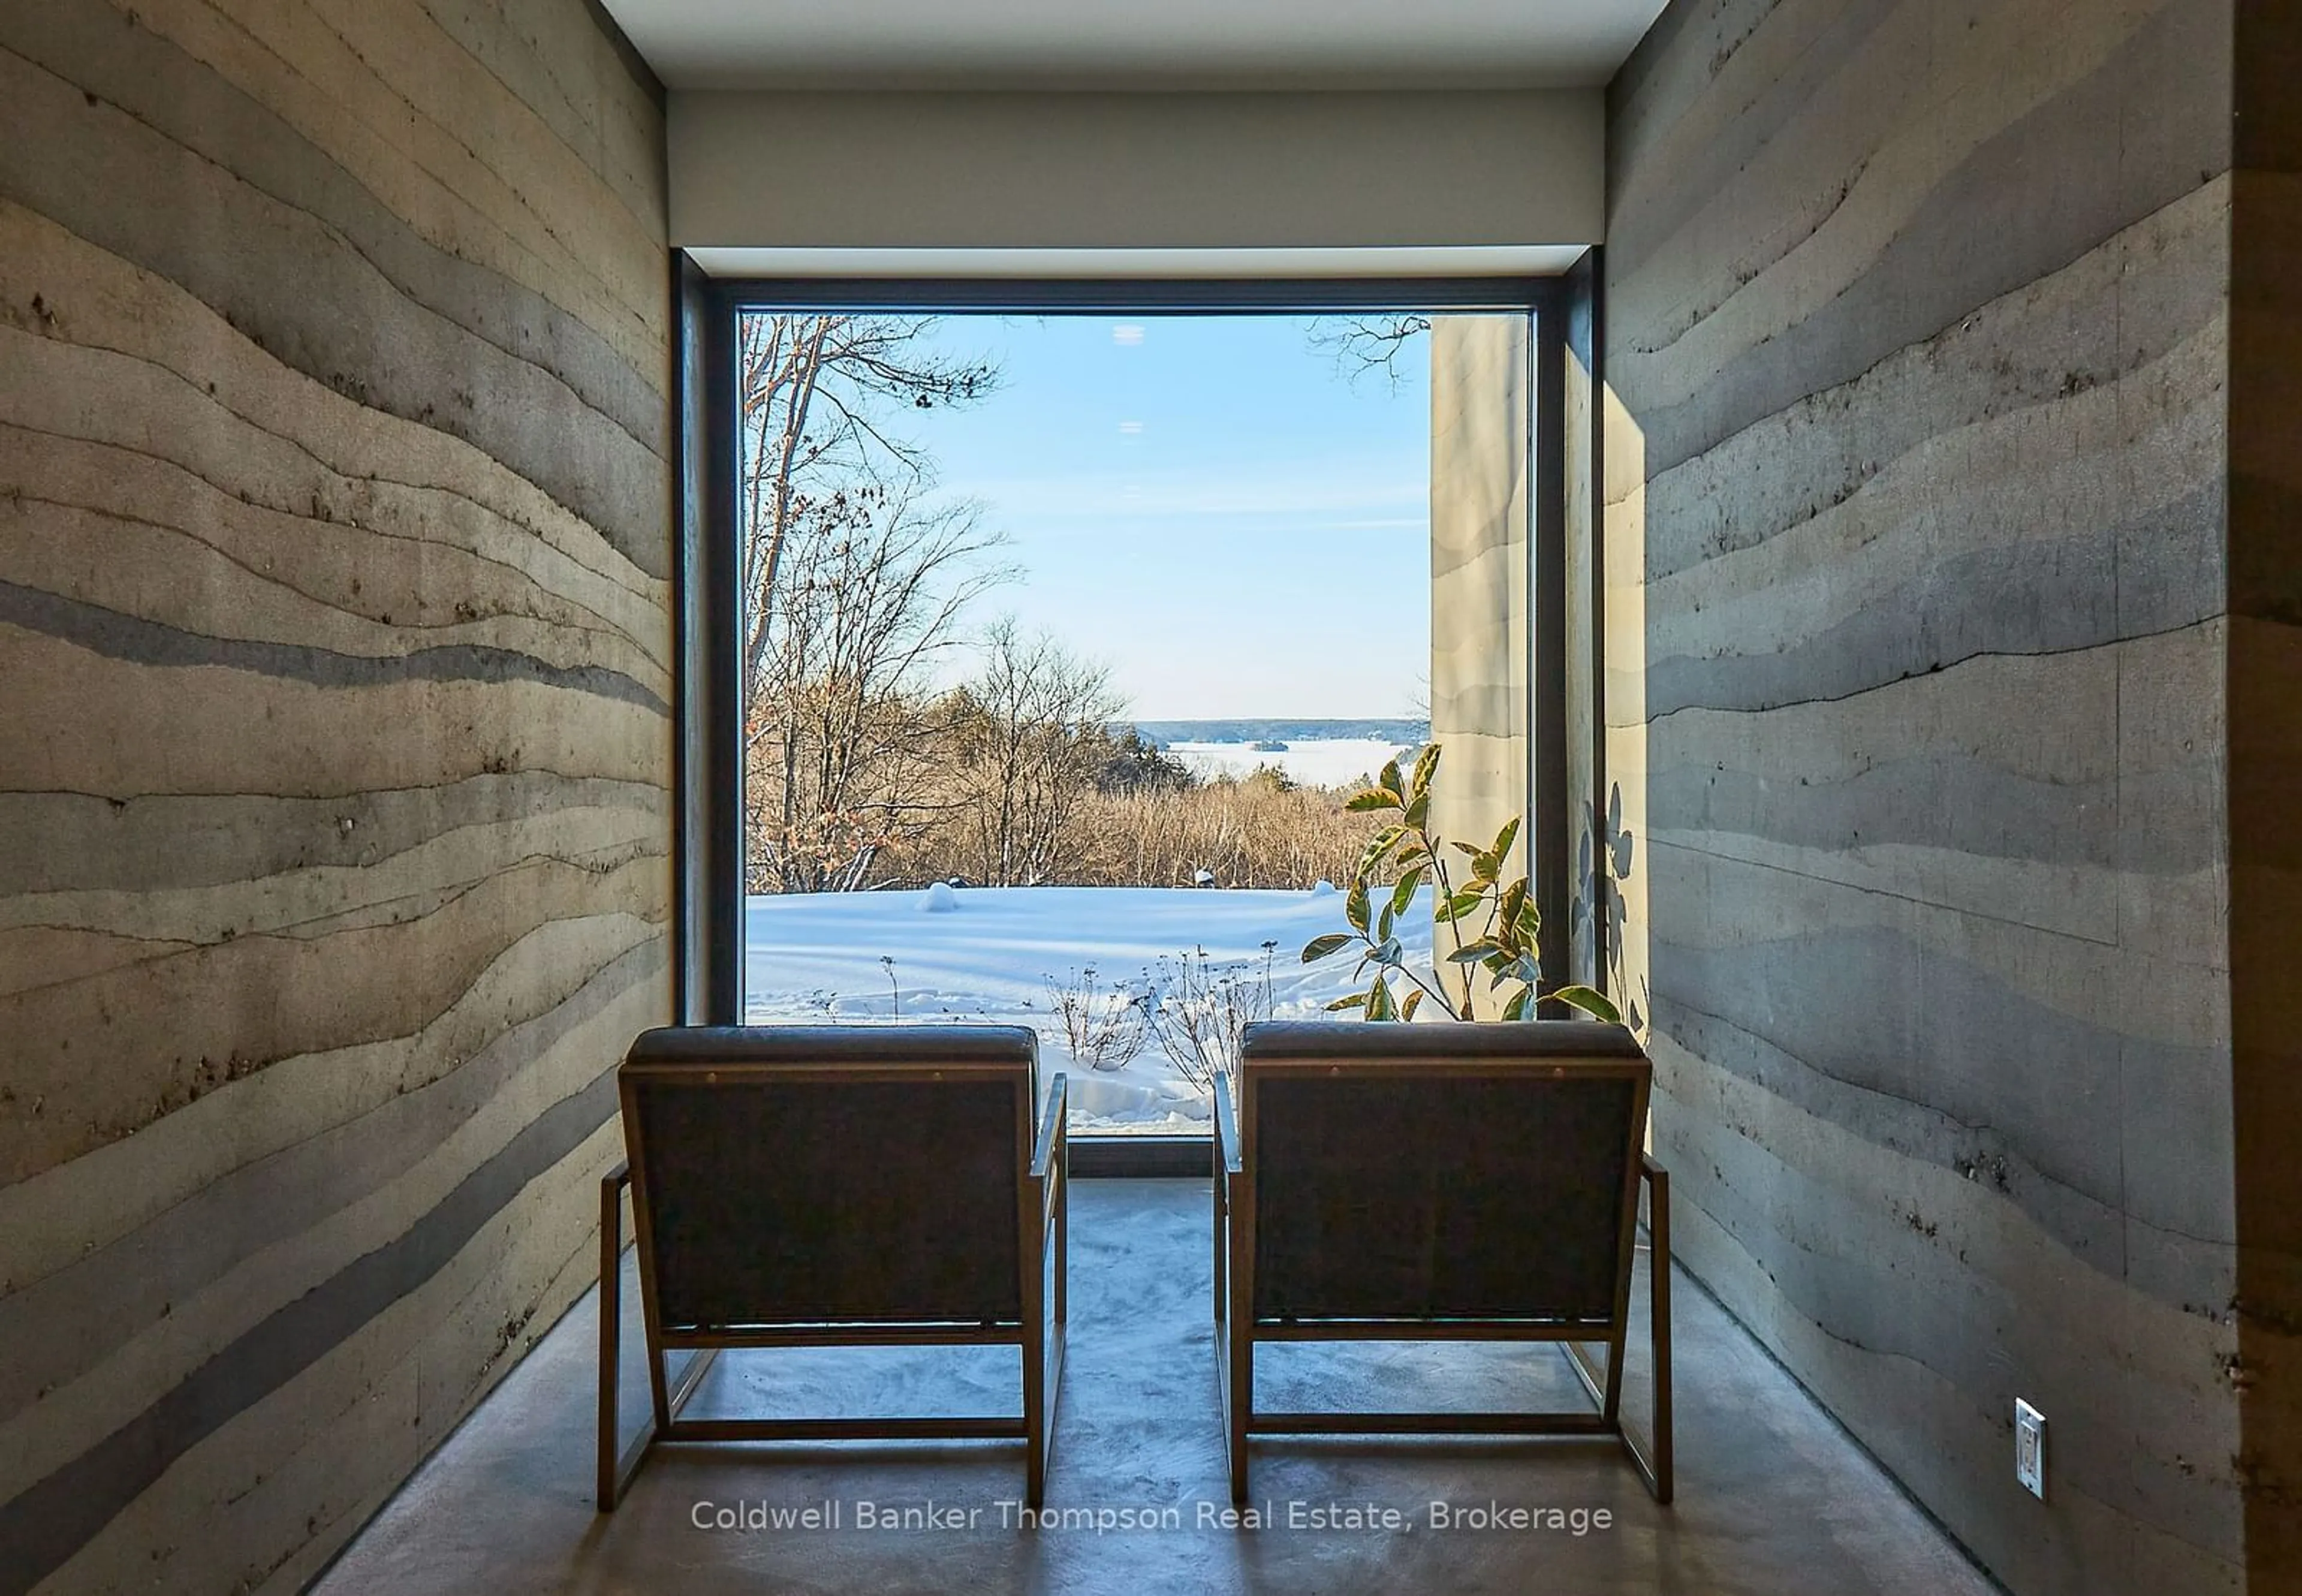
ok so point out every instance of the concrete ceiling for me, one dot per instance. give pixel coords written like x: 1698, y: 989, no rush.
x: 1134, y: 44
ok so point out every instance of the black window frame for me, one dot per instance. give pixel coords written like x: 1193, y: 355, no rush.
x: 708, y: 841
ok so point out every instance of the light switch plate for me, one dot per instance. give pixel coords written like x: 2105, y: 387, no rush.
x: 2031, y: 1448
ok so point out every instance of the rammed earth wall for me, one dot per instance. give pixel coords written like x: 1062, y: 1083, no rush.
x: 335, y: 744
x: 1951, y: 480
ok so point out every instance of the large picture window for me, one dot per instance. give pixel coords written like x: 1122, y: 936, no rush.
x: 1045, y: 632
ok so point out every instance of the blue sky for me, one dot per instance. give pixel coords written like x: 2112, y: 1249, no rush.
x: 1206, y: 506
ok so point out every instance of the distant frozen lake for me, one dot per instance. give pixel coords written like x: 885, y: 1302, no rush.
x: 1313, y: 761
x: 991, y: 953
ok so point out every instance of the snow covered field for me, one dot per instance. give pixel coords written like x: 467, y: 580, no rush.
x: 1313, y: 761
x: 989, y: 954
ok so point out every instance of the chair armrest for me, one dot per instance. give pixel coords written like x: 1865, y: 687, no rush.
x: 1657, y: 1184
x: 612, y: 1213
x: 1052, y: 1116
x: 1227, y: 1145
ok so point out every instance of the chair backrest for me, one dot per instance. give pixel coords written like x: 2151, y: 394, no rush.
x: 795, y: 1175
x: 1430, y: 1173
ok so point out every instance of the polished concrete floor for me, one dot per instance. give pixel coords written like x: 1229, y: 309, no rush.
x: 1772, y: 1497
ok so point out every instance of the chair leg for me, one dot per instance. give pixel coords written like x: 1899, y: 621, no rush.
x: 1239, y: 1408
x: 1035, y: 1409
x: 1063, y: 1228
x: 1052, y: 1381
x: 611, y: 1309
x: 1052, y: 1375
x: 1239, y: 1368
x: 1042, y: 1307
x: 1654, y: 1458
x: 1658, y: 1329
x: 615, y: 1469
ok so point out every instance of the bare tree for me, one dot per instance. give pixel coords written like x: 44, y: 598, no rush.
x: 841, y: 751
x: 819, y: 392
x: 1034, y: 732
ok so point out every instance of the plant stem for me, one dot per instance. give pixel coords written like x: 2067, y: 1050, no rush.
x: 1428, y: 989
x: 1447, y: 892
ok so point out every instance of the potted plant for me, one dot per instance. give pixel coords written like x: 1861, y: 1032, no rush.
x: 1494, y: 924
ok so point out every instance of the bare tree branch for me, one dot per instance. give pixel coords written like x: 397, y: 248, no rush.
x: 819, y: 394
x: 1362, y: 345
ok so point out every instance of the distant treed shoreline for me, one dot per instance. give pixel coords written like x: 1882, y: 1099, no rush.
x: 1406, y: 733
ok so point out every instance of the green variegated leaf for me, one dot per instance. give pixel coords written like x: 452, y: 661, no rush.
x: 1471, y: 952
x: 1526, y: 925
x: 1380, y: 1006
x: 1460, y: 904
x: 1413, y: 1002
x: 1402, y: 895
x: 1594, y: 1003
x: 1320, y: 947
x: 1513, y: 901
x: 1506, y: 837
x: 1356, y: 1000
x: 1516, y: 1008
x: 1359, y: 803
x: 1388, y: 781
x: 1382, y: 921
x: 1381, y: 842
x: 1426, y: 765
x: 1354, y: 905
x: 1472, y: 849
x: 1389, y: 955
x: 1419, y: 809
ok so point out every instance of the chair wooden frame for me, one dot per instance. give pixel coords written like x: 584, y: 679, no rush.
x: 1237, y: 1330
x: 1042, y: 1220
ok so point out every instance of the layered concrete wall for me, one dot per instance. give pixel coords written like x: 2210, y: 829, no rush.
x: 334, y: 745
x: 1480, y: 565
x: 1918, y: 358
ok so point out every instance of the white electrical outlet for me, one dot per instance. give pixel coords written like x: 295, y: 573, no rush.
x: 2031, y: 1448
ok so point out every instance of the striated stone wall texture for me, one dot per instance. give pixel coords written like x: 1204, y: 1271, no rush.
x: 335, y: 744
x: 1919, y: 443
x: 1481, y: 388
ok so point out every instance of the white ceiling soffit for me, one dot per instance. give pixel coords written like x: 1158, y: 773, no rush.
x: 1138, y: 44
x: 1161, y: 265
